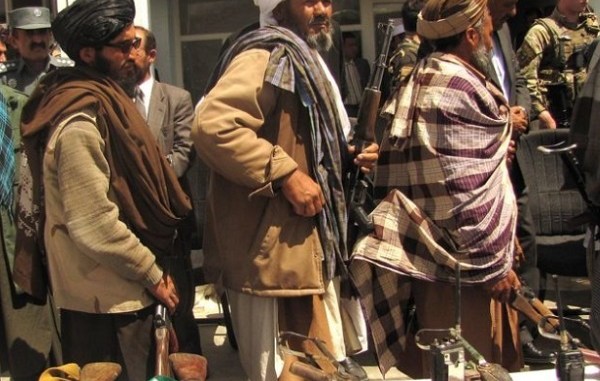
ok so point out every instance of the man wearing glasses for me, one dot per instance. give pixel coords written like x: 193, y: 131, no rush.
x: 111, y: 201
x: 30, y: 35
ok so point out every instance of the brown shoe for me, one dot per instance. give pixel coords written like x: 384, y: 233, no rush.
x: 100, y: 371
x: 188, y: 366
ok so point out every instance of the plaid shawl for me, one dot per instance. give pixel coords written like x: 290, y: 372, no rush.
x: 151, y: 200
x: 450, y: 198
x: 295, y: 67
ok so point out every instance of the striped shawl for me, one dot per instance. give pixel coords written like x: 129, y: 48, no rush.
x: 449, y: 196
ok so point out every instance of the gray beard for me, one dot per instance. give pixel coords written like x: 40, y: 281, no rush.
x: 321, y: 41
x: 482, y: 59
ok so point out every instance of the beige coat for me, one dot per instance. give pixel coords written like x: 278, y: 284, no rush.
x: 250, y: 134
x: 96, y: 263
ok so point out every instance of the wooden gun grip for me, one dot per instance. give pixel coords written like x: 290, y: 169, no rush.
x: 309, y: 372
x: 161, y: 336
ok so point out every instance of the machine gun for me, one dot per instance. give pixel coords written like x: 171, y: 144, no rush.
x: 358, y: 186
x: 569, y: 364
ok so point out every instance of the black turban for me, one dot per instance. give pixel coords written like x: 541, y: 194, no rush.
x: 91, y: 23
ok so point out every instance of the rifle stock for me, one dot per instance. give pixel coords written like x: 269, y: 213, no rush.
x: 367, y: 116
x: 165, y: 340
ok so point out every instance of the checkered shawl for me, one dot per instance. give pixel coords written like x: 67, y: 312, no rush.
x: 295, y: 67
x: 450, y: 198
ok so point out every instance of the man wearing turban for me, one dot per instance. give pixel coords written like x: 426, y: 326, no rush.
x: 272, y: 130
x: 447, y: 200
x: 100, y: 194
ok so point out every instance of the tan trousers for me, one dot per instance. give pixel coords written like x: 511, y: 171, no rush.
x: 491, y: 327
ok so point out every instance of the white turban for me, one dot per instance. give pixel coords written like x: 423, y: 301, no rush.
x: 266, y: 11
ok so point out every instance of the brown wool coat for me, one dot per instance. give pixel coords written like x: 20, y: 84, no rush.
x: 250, y: 134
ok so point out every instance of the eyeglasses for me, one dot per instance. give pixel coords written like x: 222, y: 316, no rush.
x: 125, y: 46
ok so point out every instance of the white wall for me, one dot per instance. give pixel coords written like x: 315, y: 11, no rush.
x: 141, y: 10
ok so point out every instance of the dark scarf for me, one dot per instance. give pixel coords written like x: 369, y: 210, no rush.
x: 295, y: 67
x: 148, y: 192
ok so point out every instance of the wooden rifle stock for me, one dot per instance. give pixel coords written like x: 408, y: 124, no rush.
x: 165, y: 340
x: 367, y: 117
x: 309, y: 372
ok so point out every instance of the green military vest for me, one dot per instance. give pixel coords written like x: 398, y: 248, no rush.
x: 563, y: 59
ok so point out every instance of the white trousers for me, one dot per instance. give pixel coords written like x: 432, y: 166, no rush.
x: 256, y: 327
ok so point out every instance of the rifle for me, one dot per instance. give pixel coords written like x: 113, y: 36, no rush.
x: 559, y: 106
x: 166, y: 341
x: 358, y: 185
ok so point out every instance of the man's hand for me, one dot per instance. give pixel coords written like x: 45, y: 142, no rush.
x: 547, y: 122
x: 166, y: 293
x: 303, y: 193
x: 511, y: 152
x: 518, y: 117
x: 367, y: 158
x: 503, y: 289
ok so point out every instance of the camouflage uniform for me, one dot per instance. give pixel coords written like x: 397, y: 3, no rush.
x: 17, y: 75
x: 404, y: 59
x: 552, y: 53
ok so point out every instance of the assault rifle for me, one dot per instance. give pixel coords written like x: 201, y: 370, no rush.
x: 166, y: 341
x: 357, y: 190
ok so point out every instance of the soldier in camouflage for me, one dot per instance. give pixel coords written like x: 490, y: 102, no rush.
x: 551, y: 59
x: 404, y: 57
x: 31, y: 36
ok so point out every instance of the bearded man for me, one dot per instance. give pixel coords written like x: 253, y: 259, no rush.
x: 449, y: 199
x: 111, y: 203
x: 271, y: 129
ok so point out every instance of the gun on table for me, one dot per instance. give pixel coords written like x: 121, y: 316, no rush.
x: 364, y: 132
x: 166, y: 341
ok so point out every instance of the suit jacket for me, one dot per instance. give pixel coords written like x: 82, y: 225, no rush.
x: 518, y: 93
x: 170, y: 118
x: 364, y: 70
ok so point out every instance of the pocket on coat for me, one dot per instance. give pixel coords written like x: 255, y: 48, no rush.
x: 289, y: 256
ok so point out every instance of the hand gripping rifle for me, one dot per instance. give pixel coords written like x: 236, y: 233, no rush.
x: 166, y: 341
x: 364, y: 132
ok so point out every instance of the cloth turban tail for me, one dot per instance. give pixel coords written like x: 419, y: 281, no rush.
x: 91, y: 23
x: 453, y: 24
x: 266, y: 11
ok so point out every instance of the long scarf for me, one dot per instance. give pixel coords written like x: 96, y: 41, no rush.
x: 148, y: 192
x: 295, y: 67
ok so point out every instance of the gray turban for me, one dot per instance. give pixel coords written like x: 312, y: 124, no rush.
x: 91, y: 23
